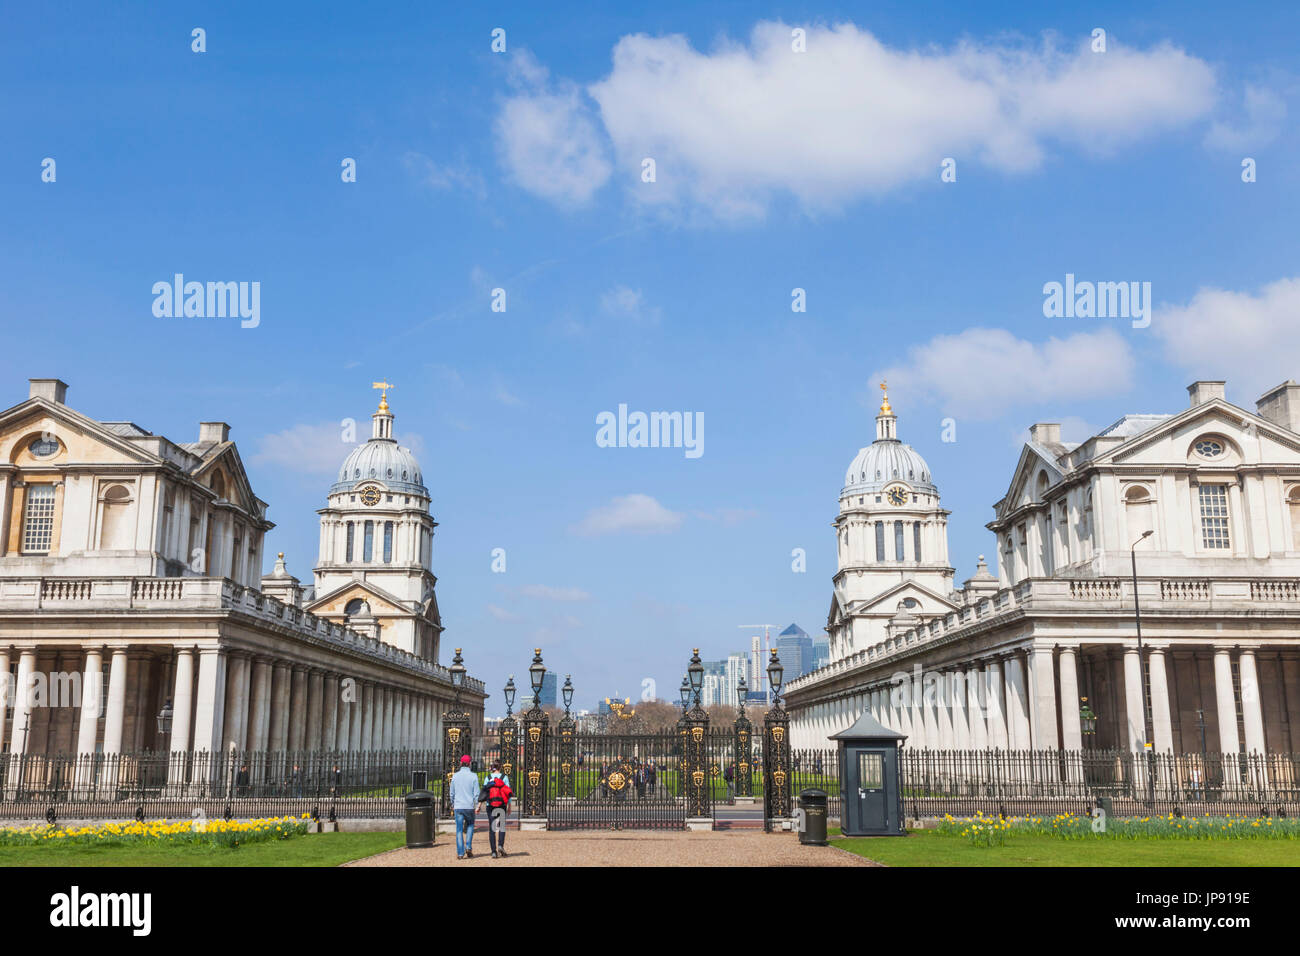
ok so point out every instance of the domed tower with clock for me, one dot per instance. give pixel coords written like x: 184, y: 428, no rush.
x: 376, y: 542
x: 892, y: 537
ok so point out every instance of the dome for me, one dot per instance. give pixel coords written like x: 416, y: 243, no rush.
x: 384, y: 461
x: 885, y: 461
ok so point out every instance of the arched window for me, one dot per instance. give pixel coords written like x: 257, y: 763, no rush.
x: 898, y: 541
x: 218, y: 484
x: 916, y: 541
x: 368, y: 545
x: 880, y: 541
x: 114, y: 526
x: 388, y: 542
x: 351, y: 535
x: 354, y: 607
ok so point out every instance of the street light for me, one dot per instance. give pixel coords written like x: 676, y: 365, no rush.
x: 686, y: 693
x: 567, y: 691
x: 1087, y: 719
x: 696, y: 672
x: 457, y: 675
x: 1147, y: 744
x: 510, y: 695
x: 537, y: 671
x: 774, y: 674
x: 742, y: 691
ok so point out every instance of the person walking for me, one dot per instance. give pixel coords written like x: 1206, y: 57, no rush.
x: 464, y: 798
x: 729, y: 775
x: 496, y: 794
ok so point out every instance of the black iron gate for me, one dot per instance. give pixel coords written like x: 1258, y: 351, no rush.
x: 648, y: 781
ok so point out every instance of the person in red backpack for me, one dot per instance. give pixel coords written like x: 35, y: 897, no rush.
x: 496, y: 794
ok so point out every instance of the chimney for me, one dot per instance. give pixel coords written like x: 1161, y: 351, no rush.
x: 51, y: 389
x: 1281, y: 405
x: 1202, y: 392
x: 1045, y: 433
x: 214, y: 432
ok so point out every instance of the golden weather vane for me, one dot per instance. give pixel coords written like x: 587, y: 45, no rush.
x: 383, y: 397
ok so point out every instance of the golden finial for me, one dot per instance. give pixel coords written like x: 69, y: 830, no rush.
x: 383, y: 396
x: 884, y: 405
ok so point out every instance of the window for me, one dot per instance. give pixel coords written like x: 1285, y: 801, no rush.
x: 898, y: 541
x: 368, y: 547
x: 38, y: 519
x: 44, y: 447
x: 351, y: 535
x: 388, y: 542
x: 115, y: 531
x: 871, y: 771
x: 880, y: 541
x: 1208, y: 448
x: 916, y: 540
x: 1214, y: 516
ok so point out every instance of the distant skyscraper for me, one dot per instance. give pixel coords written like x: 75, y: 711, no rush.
x: 757, y: 674
x: 795, y: 649
x: 550, y: 689
x: 821, y: 651
x: 714, y: 689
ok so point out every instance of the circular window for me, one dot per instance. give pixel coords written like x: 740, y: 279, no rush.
x: 1209, y: 448
x: 44, y: 447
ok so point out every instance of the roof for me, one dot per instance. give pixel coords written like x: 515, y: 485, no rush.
x: 867, y: 727
x: 1131, y: 425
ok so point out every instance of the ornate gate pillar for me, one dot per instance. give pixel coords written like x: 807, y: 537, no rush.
x: 533, y: 778
x: 697, y: 787
x: 568, y: 747
x: 743, y: 749
x: 456, y: 740
x: 776, y: 752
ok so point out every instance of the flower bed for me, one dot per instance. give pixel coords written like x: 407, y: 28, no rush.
x: 993, y: 831
x: 223, y: 833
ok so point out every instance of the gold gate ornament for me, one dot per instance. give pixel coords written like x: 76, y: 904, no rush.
x: 778, y: 734
x: 453, y: 734
x: 697, y: 734
x: 533, y: 777
x: 698, y: 778
x: 534, y: 734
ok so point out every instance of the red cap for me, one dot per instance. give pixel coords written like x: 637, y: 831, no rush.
x: 464, y: 758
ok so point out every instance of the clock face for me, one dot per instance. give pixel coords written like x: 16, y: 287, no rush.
x: 370, y: 497
x: 897, y: 497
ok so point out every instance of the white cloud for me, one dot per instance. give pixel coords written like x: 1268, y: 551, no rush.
x: 623, y: 302
x: 501, y: 614
x: 318, y: 449
x: 635, y: 512
x: 979, y: 373
x: 548, y: 593
x: 1265, y: 114
x: 548, y: 137
x: 444, y: 176
x: 733, y: 127
x: 1250, y: 340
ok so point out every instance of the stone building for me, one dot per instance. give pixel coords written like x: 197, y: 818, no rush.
x: 130, y: 580
x: 1206, y: 501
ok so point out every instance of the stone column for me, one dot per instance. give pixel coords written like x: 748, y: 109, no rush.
x: 92, y: 695
x: 355, y: 714
x: 115, y: 716
x: 368, y: 736
x: 1017, y: 713
x: 182, y: 703
x: 1226, y: 700
x: 1043, y: 725
x: 330, y: 715
x: 1161, y: 726
x: 209, y: 706
x: 23, y: 693
x: 1252, y: 714
x: 315, y: 707
x: 237, y: 701
x: 1133, y: 705
x: 1071, y: 728
x: 297, y: 707
x: 279, y: 735
x: 960, y: 724
x: 976, y: 707
x: 259, y: 713
x: 995, y: 700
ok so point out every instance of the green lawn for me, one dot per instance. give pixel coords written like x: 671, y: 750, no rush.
x: 314, y: 849
x: 930, y: 848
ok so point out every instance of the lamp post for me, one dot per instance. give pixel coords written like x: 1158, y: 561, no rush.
x: 696, y: 674
x: 455, y: 732
x: 694, y: 730
x: 776, y: 750
x: 685, y: 695
x: 509, y: 730
x: 568, y: 728
x: 1205, y: 757
x: 165, y: 720
x: 534, y: 777
x: 743, y: 749
x: 1147, y: 744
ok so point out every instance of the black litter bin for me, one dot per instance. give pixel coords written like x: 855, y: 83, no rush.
x: 419, y: 819
x: 813, y: 804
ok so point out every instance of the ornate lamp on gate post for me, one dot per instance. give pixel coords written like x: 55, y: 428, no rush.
x: 509, y: 731
x: 776, y: 750
x: 455, y: 732
x: 744, y: 748
x: 695, y: 762
x: 568, y: 731
x: 533, y: 776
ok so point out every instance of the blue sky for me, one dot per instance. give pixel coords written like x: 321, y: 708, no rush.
x: 521, y: 170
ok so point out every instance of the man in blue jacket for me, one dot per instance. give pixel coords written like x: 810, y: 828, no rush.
x: 464, y: 798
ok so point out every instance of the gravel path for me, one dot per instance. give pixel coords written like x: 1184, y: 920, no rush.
x: 619, y: 848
